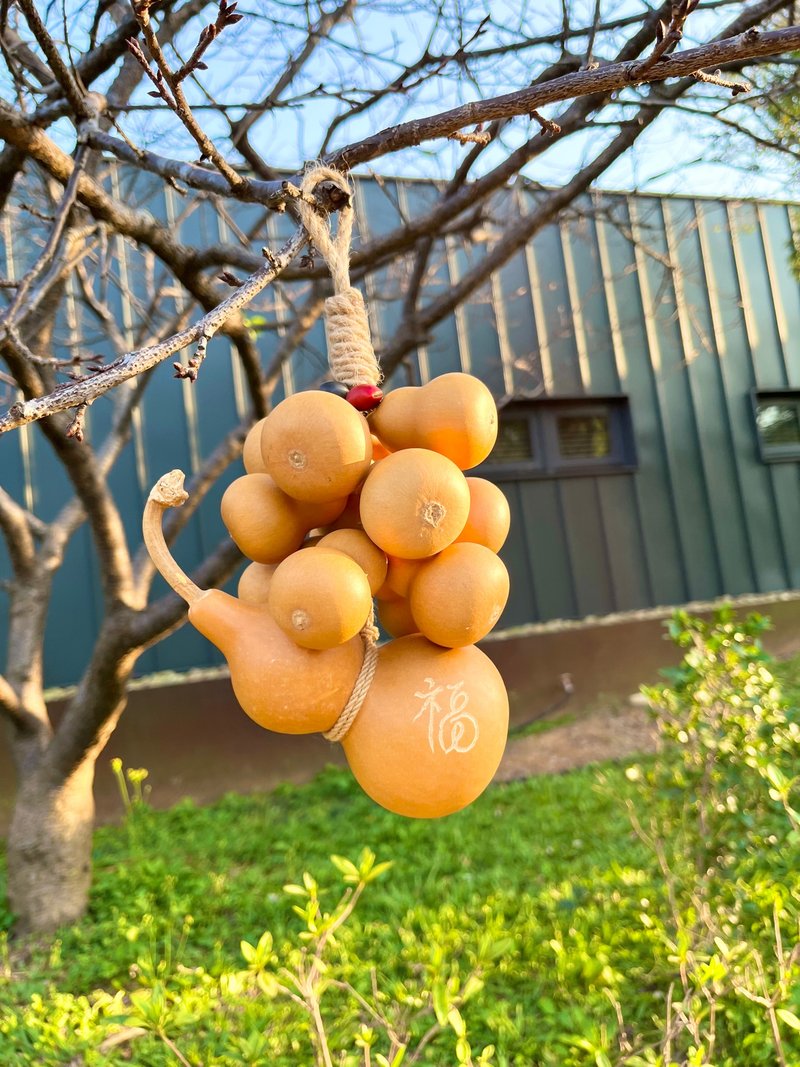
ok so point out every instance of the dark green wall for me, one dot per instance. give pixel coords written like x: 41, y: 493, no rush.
x: 682, y: 305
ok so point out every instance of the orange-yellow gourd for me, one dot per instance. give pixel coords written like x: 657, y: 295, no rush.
x: 356, y: 545
x: 265, y: 523
x: 282, y: 687
x: 316, y: 446
x: 401, y: 573
x: 489, y: 516
x: 431, y: 732
x: 320, y: 598
x: 458, y: 597
x: 395, y: 617
x: 251, y: 453
x: 316, y: 515
x: 254, y: 583
x: 261, y: 518
x: 454, y: 414
x: 379, y: 449
x: 350, y: 518
x: 414, y: 503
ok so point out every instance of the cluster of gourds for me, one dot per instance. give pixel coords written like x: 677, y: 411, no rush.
x: 352, y: 497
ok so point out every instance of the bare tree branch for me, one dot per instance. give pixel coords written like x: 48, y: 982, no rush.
x: 606, y: 79
x: 87, y: 390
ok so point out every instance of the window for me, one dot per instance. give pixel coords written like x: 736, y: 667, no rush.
x: 778, y: 424
x: 583, y: 436
x: 514, y: 441
x: 558, y: 436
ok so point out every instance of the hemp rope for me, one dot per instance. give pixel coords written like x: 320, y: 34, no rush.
x: 352, y: 361
x: 350, y: 352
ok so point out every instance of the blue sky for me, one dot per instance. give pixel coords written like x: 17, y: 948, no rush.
x: 673, y: 156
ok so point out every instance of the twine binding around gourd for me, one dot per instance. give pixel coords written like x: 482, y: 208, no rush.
x: 352, y: 361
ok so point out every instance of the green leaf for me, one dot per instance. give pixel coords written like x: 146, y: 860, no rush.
x: 440, y: 1005
x: 456, y: 1020
x: 788, y: 1017
x: 247, y: 950
x: 347, y: 868
x: 295, y: 890
x: 776, y: 777
x: 378, y: 870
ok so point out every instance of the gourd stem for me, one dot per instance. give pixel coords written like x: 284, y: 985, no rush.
x: 168, y: 492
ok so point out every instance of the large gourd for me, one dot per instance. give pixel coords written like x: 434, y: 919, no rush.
x: 432, y: 730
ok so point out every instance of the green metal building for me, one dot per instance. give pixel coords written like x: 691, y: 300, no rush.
x: 646, y: 356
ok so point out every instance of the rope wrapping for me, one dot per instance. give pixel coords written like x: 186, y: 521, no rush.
x: 350, y: 352
x: 352, y: 361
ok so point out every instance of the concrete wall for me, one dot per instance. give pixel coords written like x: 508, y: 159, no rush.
x: 196, y: 742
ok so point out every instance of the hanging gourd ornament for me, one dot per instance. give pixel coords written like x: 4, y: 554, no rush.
x: 350, y: 496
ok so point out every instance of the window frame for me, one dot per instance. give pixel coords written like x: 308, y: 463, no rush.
x: 543, y: 413
x: 774, y: 453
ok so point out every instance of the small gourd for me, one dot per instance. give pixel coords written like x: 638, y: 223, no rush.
x: 251, y: 452
x: 379, y: 449
x: 458, y: 597
x: 489, y: 518
x: 316, y: 446
x: 414, y: 503
x: 320, y: 598
x: 395, y: 617
x: 431, y: 732
x: 253, y: 586
x: 265, y: 523
x: 355, y: 544
x: 401, y: 573
x: 454, y: 414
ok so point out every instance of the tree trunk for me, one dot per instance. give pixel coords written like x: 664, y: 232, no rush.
x: 50, y: 848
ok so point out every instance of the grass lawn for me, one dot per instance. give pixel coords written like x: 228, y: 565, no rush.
x: 541, y: 891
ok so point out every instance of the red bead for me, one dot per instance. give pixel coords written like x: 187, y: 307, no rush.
x: 364, y: 397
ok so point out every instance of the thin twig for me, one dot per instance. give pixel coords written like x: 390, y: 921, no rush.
x: 72, y: 394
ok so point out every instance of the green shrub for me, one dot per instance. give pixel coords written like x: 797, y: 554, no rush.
x: 637, y: 915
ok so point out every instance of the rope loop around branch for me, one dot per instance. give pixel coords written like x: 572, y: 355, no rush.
x: 350, y: 353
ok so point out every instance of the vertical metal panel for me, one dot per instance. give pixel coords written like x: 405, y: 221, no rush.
x: 384, y: 210
x: 589, y: 307
x: 548, y: 554
x: 654, y: 490
x: 514, y: 283
x: 702, y: 369
x: 699, y: 550
x: 585, y: 538
x: 769, y: 367
x: 776, y: 233
x: 478, y: 333
x: 737, y: 376
x: 441, y: 354
x: 624, y: 543
x: 553, y: 298
x: 516, y: 554
x: 759, y: 314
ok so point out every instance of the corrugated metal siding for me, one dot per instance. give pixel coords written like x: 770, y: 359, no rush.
x: 682, y: 305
